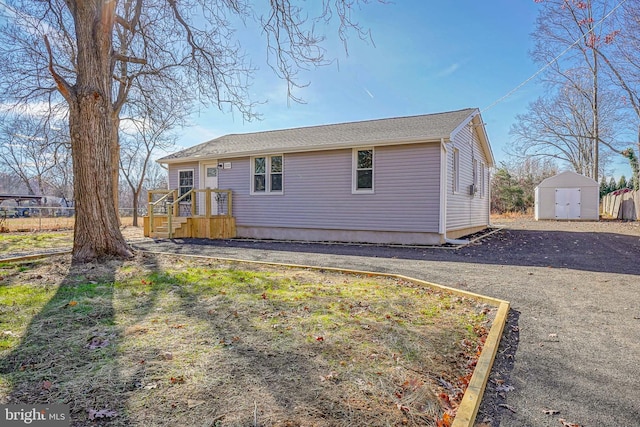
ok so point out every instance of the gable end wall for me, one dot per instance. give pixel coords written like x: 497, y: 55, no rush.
x: 465, y: 211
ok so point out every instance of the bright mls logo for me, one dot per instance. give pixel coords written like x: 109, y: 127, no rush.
x: 34, y: 415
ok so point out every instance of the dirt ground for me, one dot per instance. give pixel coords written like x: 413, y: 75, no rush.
x: 570, y: 349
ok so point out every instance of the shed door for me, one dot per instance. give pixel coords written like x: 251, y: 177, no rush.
x: 567, y: 203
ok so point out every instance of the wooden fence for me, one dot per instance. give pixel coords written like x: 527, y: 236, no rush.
x: 622, y: 204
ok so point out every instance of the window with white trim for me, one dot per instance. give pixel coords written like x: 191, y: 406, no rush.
x: 456, y: 170
x: 363, y: 170
x: 267, y: 174
x: 185, y: 183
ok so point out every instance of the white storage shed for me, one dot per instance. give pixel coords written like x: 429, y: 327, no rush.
x: 568, y: 196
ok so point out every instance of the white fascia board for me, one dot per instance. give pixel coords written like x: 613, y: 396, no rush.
x: 475, y: 120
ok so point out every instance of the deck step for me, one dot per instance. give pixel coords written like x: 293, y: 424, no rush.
x: 162, y: 231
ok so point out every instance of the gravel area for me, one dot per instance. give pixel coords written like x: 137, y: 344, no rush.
x: 571, y: 349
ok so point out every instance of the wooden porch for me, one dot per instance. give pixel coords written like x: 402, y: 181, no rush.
x: 196, y: 214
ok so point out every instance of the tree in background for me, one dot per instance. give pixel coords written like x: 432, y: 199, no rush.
x: 622, y: 183
x: 560, y: 127
x: 87, y: 56
x: 622, y: 60
x: 579, y: 44
x: 506, y: 193
x: 633, y: 162
x: 604, y: 186
x: 36, y: 151
x: 149, y: 131
x: 513, y: 185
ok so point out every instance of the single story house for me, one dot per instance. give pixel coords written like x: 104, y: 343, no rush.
x: 407, y: 180
x: 567, y: 196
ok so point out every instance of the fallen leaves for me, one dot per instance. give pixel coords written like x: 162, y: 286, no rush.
x: 192, y: 403
x: 505, y: 387
x: 177, y: 380
x: 97, y: 342
x: 70, y: 304
x: 330, y: 376
x: 101, y: 414
x: 166, y: 356
x: 510, y: 408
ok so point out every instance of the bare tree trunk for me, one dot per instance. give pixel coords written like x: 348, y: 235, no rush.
x: 115, y: 169
x: 97, y: 232
x: 136, y: 195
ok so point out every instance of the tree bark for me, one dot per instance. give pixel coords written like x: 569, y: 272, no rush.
x: 115, y: 168
x: 97, y: 232
x: 136, y: 195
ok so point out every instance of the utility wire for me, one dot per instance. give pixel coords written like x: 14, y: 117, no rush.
x: 548, y: 64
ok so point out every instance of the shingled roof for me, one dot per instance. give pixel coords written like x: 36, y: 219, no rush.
x: 428, y: 127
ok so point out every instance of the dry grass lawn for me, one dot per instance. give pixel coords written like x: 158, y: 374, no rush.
x: 171, y: 341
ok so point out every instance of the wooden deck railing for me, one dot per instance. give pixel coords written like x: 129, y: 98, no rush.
x: 169, y: 205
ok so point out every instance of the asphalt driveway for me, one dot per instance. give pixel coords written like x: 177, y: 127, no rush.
x: 571, y: 348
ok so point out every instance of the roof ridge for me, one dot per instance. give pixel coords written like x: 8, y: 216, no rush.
x: 433, y: 126
x: 344, y: 123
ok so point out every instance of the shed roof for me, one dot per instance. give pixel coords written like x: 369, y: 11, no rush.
x: 568, y: 179
x: 399, y: 130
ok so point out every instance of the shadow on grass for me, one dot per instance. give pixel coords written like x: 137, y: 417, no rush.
x: 162, y: 349
x: 68, y: 351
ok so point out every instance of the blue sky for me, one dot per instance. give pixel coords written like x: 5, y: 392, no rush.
x: 427, y: 57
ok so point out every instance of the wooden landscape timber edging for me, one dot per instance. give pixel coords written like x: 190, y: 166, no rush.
x: 468, y: 409
x: 36, y: 256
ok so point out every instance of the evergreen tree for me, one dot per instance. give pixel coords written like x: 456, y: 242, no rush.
x: 604, y: 187
x: 622, y: 183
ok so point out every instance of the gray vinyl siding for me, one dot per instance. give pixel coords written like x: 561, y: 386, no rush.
x: 463, y: 209
x: 318, y: 191
x: 173, y: 173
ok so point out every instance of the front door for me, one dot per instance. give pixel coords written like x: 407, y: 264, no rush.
x: 211, y: 181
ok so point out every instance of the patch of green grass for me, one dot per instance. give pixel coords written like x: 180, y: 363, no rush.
x: 23, y: 242
x: 176, y: 341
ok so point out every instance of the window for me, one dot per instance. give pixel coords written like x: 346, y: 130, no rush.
x: 456, y: 170
x: 267, y: 174
x: 185, y: 183
x: 363, y: 170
